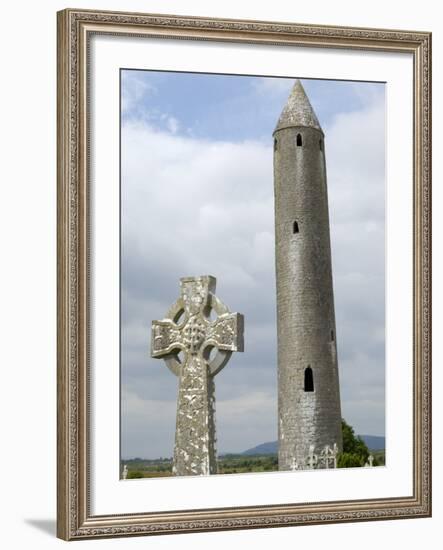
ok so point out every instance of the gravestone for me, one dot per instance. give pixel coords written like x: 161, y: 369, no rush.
x: 327, y: 458
x: 195, y: 348
x: 370, y: 462
x: 312, y: 459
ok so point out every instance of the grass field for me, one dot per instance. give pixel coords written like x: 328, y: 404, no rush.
x: 227, y: 464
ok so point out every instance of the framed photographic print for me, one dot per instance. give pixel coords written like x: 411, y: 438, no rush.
x: 243, y: 274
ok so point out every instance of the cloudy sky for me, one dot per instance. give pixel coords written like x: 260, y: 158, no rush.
x: 197, y: 198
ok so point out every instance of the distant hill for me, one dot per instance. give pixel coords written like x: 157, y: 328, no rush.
x: 374, y: 443
x: 269, y: 448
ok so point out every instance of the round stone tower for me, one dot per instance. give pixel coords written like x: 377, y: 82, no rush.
x: 308, y: 386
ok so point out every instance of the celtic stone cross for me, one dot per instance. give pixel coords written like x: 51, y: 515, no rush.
x: 312, y: 460
x: 328, y: 456
x: 196, y: 348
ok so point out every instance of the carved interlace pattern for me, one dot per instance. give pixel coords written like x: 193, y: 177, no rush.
x: 224, y: 332
x: 165, y: 336
x: 293, y: 34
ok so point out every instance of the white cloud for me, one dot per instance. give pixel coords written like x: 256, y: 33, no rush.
x: 355, y: 145
x: 134, y: 91
x: 274, y: 86
x: 238, y: 428
x: 146, y: 426
x: 173, y: 124
x: 355, y: 152
x: 199, y: 206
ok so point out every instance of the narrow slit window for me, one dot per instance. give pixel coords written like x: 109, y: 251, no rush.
x: 295, y: 228
x: 332, y: 335
x: 320, y: 144
x: 309, y: 379
x: 275, y: 144
x: 299, y: 140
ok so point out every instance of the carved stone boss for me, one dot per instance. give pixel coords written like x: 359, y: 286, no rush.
x: 195, y: 348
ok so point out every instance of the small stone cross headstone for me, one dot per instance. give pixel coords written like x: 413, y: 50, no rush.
x: 370, y: 462
x: 205, y: 346
x: 335, y: 455
x: 328, y: 457
x: 312, y: 460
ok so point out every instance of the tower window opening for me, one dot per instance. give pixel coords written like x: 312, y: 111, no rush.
x: 275, y: 144
x: 320, y: 143
x: 299, y: 140
x: 332, y: 335
x: 309, y: 380
x: 295, y: 228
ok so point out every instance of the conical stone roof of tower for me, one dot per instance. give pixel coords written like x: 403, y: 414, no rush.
x: 298, y: 110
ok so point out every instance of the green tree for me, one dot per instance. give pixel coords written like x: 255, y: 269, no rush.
x: 355, y: 452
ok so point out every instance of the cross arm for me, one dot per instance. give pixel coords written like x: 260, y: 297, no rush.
x: 165, y: 338
x: 226, y: 332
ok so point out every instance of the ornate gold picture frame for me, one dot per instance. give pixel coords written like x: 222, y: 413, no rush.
x: 75, y: 518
